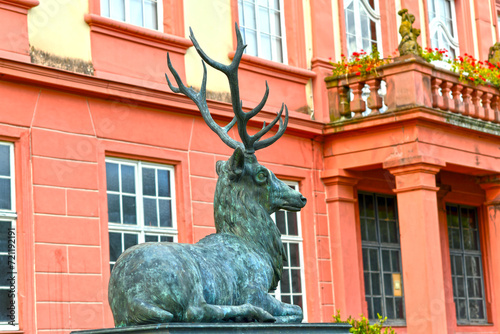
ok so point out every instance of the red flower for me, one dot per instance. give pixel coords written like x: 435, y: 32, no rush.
x: 358, y: 73
x: 342, y: 55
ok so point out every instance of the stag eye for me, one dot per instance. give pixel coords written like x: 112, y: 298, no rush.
x: 261, y: 177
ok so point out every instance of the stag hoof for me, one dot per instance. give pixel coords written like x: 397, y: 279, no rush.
x: 251, y: 313
x: 289, y: 319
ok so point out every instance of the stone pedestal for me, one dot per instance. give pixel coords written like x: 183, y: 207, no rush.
x: 221, y: 328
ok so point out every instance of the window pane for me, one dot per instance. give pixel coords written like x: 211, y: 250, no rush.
x: 115, y: 245
x: 265, y: 46
x: 294, y: 255
x: 386, y: 260
x: 384, y: 232
x: 376, y: 285
x: 114, y: 211
x: 264, y: 20
x: 130, y: 240
x: 249, y: 15
x: 395, y: 261
x: 251, y: 41
x: 476, y: 309
x: 117, y: 10
x: 112, y: 179
x: 150, y: 212
x: 285, y: 281
x: 105, y: 8
x: 388, y: 285
x: 5, y: 300
x: 150, y: 14
x: 4, y: 236
x: 374, y: 260
x: 5, y: 194
x: 399, y: 308
x: 4, y: 270
x: 166, y: 239
x: 163, y: 183
x: 277, y: 24
x: 372, y: 230
x: 280, y: 222
x: 296, y: 281
x: 390, y: 308
x: 128, y: 179
x: 365, y: 259
x: 4, y: 160
x: 165, y: 213
x: 286, y: 299
x: 292, y: 223
x: 129, y: 210
x: 135, y: 12
x: 148, y: 182
x: 377, y: 306
x: 151, y: 238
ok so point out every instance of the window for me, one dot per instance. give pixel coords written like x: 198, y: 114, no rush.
x: 291, y: 287
x: 143, y: 13
x: 381, y: 257
x: 8, y: 243
x: 466, y: 264
x: 141, y: 204
x: 262, y: 28
x: 362, y: 23
x: 443, y: 30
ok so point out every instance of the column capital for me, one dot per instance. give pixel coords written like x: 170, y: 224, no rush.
x: 339, y: 177
x: 415, y: 173
x: 339, y: 185
x: 491, y: 186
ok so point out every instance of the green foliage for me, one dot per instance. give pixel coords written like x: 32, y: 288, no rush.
x: 362, y: 326
x: 430, y: 54
x: 476, y: 72
x: 360, y: 63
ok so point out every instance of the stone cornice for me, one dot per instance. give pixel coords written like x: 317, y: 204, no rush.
x: 274, y: 69
x: 137, y: 34
x: 19, y: 6
x: 149, y: 94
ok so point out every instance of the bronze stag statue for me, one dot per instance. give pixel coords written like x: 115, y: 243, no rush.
x: 227, y: 276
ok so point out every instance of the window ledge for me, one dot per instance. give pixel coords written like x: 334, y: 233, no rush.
x: 20, y: 6
x: 271, y: 68
x: 136, y: 34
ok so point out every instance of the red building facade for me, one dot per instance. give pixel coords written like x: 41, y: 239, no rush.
x: 97, y: 154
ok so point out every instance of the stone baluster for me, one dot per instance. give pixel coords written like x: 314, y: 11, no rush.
x: 476, y: 101
x: 488, y: 112
x: 374, y: 100
x: 437, y: 99
x: 448, y: 103
x: 358, y: 106
x: 468, y: 106
x: 344, y: 103
x: 495, y: 107
x: 457, y: 106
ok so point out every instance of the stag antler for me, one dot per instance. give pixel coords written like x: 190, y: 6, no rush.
x: 250, y: 143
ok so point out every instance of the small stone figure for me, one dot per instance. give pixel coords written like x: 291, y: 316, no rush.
x: 227, y: 276
x: 494, y: 54
x: 409, y: 35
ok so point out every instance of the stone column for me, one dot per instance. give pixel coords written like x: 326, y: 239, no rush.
x: 423, y: 280
x: 345, y: 247
x: 491, y: 247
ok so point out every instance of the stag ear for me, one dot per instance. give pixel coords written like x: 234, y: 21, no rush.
x: 236, y: 163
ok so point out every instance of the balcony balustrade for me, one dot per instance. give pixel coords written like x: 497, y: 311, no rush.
x: 411, y: 83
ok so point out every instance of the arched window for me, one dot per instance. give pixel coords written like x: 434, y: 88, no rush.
x: 362, y: 21
x: 442, y: 26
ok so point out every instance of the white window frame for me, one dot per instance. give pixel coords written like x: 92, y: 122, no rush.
x: 140, y: 229
x: 11, y: 215
x: 159, y: 13
x: 259, y: 47
x: 298, y: 240
x: 373, y: 15
x: 439, y: 26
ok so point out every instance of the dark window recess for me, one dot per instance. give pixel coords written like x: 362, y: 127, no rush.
x: 466, y: 264
x: 381, y: 257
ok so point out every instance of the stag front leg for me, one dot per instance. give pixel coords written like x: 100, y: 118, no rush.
x: 283, y: 312
x: 222, y: 313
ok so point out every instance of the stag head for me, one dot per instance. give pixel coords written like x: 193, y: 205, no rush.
x: 249, y: 143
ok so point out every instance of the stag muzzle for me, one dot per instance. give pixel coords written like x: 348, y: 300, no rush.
x: 289, y: 198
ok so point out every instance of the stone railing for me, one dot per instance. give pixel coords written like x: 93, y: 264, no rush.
x: 410, y: 82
